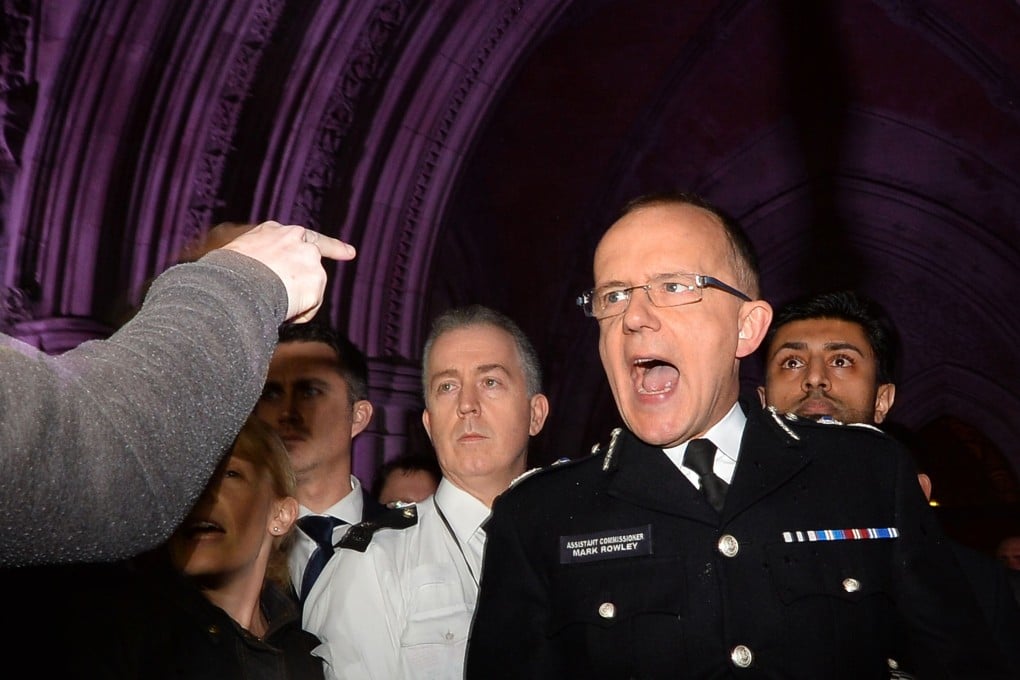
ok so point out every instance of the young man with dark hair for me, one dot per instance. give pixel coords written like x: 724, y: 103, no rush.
x: 833, y: 356
x: 316, y: 398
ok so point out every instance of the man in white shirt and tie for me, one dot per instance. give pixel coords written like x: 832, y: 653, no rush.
x: 316, y: 398
x: 400, y: 606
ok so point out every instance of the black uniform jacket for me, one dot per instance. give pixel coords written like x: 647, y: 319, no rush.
x: 616, y: 567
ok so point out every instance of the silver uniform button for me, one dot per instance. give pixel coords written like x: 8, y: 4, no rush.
x: 741, y: 656
x: 607, y: 610
x: 851, y: 585
x: 728, y: 546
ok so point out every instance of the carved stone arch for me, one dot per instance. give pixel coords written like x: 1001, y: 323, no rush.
x: 122, y: 142
x: 954, y: 390
x: 57, y: 249
x: 423, y: 128
x: 415, y: 87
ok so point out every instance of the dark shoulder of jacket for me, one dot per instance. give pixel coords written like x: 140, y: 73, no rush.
x: 796, y: 429
x: 567, y: 466
x: 360, y: 535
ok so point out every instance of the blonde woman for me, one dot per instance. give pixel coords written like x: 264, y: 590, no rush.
x: 222, y: 609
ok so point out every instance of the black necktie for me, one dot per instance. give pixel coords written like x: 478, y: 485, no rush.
x: 320, y: 529
x: 699, y: 456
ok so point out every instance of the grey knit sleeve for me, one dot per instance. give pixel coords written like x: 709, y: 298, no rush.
x: 104, y: 448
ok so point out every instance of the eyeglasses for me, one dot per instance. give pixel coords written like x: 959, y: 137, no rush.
x: 668, y: 290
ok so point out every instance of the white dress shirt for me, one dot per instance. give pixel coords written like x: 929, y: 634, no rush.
x: 349, y: 509
x: 726, y: 435
x: 402, y: 609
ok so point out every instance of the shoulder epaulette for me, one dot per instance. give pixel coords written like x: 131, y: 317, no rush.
x: 556, y: 464
x: 360, y: 535
x: 868, y: 426
x: 780, y: 420
x: 609, y: 461
x: 796, y: 420
x: 524, y: 475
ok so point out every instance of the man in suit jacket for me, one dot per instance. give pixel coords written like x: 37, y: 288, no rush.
x: 780, y: 556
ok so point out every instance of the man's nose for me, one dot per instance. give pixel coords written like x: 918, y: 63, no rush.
x: 816, y: 376
x: 467, y: 404
x: 289, y: 411
x: 640, y: 313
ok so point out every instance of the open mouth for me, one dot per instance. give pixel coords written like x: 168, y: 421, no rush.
x: 654, y: 376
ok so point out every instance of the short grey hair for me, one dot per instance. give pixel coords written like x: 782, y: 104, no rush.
x: 479, y: 315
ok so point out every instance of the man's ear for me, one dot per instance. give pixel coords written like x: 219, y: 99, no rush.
x: 362, y: 416
x: 755, y: 317
x: 925, y: 482
x: 761, y: 396
x: 427, y: 422
x: 539, y: 411
x: 884, y: 398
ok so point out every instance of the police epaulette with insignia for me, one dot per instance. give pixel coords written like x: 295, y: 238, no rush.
x: 778, y: 419
x: 360, y: 535
x: 524, y: 475
x: 867, y: 426
x: 782, y: 420
x: 609, y: 462
x: 559, y: 462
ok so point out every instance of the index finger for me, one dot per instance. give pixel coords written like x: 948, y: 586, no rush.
x: 335, y: 249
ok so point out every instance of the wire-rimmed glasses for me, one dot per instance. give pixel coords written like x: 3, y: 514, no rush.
x: 667, y: 290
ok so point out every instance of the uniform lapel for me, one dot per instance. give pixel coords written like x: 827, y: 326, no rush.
x: 644, y: 476
x: 769, y: 457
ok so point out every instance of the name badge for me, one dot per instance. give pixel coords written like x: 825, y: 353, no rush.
x: 606, y: 545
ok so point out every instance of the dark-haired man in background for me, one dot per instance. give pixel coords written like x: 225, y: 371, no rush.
x: 316, y: 398
x: 833, y: 355
x: 409, y: 478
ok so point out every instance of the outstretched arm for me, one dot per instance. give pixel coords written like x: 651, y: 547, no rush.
x: 104, y: 448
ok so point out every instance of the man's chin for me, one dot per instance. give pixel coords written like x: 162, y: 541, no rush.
x: 655, y: 431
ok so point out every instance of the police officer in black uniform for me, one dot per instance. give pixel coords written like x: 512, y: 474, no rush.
x: 708, y: 539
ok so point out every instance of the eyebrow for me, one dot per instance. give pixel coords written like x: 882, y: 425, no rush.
x: 299, y: 382
x: 484, y: 368
x: 653, y: 277
x: 829, y: 347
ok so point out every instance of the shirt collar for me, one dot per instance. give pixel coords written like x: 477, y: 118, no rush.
x: 464, y: 512
x: 348, y: 508
x: 728, y: 433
